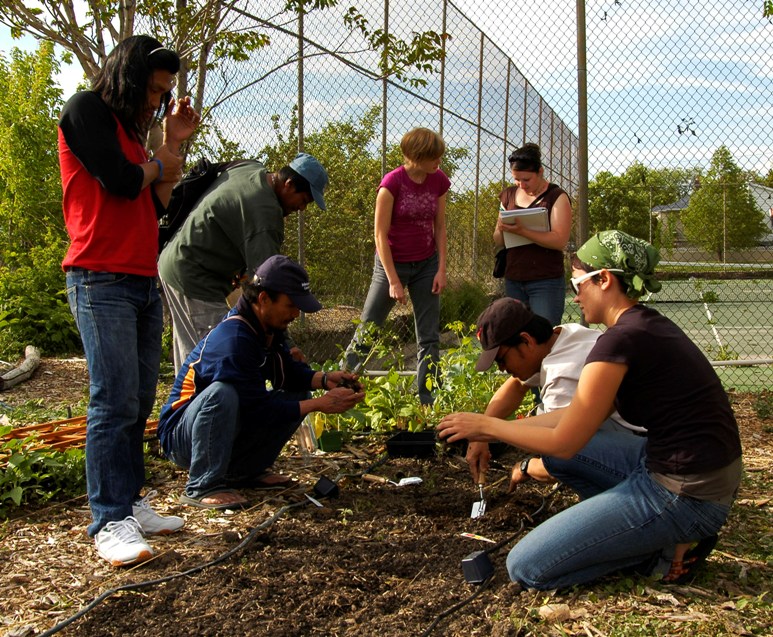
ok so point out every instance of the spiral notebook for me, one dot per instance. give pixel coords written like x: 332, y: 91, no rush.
x: 532, y: 218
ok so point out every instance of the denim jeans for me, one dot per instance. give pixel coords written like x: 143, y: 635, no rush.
x: 417, y: 277
x: 218, y: 448
x: 629, y: 524
x: 605, y: 461
x: 545, y: 297
x: 120, y: 319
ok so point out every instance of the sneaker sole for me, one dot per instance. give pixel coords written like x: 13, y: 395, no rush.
x: 144, y: 556
x: 162, y: 531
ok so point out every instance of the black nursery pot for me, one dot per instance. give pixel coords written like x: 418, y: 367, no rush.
x: 410, y: 444
x: 330, y: 441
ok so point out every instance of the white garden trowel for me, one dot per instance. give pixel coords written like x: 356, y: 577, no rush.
x: 479, y: 508
x: 404, y: 482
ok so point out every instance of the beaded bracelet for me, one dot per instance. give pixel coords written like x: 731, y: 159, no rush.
x: 160, y: 169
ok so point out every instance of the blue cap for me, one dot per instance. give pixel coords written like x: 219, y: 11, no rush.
x: 281, y: 274
x: 312, y: 171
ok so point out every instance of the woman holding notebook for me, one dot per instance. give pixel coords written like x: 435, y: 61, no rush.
x: 535, y: 269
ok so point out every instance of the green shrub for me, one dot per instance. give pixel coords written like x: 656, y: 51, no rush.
x: 34, y: 476
x: 391, y: 403
x: 462, y: 301
x: 33, y: 303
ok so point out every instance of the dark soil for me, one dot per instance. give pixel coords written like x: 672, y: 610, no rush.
x: 375, y: 560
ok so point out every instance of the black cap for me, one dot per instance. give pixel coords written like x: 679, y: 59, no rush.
x: 281, y: 274
x: 498, y: 323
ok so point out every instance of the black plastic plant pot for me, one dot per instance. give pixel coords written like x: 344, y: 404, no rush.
x: 409, y: 444
x: 330, y: 441
x: 477, y: 567
x: 326, y: 488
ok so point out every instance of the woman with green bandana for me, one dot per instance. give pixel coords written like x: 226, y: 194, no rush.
x: 673, y: 489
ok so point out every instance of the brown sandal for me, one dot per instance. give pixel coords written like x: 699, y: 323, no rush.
x: 265, y: 481
x: 682, y: 571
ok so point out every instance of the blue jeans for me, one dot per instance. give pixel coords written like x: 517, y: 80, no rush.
x: 120, y: 319
x: 604, y: 462
x: 545, y: 297
x: 627, y: 525
x: 417, y: 278
x: 218, y: 447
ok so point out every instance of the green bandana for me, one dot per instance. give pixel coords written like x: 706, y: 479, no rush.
x: 615, y: 249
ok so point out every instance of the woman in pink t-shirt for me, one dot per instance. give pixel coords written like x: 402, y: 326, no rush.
x: 410, y: 233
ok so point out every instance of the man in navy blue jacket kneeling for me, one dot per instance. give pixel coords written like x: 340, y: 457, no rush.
x: 240, y: 395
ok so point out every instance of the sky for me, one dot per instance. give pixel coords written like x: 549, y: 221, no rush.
x: 669, y: 81
x: 70, y: 74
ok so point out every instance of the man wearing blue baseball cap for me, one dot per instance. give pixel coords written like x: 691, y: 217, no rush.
x: 236, y: 225
x: 240, y: 395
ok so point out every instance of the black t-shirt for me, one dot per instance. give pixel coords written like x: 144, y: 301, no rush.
x: 671, y: 389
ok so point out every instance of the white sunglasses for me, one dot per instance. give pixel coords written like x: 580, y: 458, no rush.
x: 576, y: 280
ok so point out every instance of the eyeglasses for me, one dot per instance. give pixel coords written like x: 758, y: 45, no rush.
x: 575, y: 281
x: 163, y: 50
x: 500, y: 357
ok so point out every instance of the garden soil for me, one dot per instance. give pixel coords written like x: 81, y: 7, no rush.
x: 377, y: 559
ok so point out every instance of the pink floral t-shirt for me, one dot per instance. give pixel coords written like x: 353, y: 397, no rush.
x: 411, y: 234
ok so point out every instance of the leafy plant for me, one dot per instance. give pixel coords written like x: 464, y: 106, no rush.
x: 391, y: 403
x: 462, y: 388
x: 33, y: 306
x: 33, y: 475
x: 763, y: 405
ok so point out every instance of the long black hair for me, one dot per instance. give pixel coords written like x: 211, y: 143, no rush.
x: 123, y: 80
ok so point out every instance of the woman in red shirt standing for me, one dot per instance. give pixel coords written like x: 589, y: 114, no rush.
x: 112, y: 191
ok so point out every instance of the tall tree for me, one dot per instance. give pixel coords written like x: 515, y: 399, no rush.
x: 30, y: 188
x: 33, y: 308
x: 722, y: 213
x: 205, y: 33
x: 625, y: 202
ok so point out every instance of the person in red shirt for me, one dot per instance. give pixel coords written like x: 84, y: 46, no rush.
x: 112, y: 194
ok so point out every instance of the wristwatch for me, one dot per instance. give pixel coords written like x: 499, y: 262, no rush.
x: 524, y: 467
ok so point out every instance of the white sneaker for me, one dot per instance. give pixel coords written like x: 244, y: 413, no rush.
x: 121, y: 543
x: 151, y: 523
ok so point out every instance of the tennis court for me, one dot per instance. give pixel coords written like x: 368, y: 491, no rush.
x: 730, y: 320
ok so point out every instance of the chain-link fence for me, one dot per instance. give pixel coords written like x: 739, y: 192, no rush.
x: 677, y: 95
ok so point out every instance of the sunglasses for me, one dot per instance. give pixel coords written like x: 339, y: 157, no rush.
x: 575, y: 281
x: 500, y: 357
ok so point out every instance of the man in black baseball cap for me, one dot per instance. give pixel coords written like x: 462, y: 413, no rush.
x: 281, y: 274
x: 499, y: 323
x: 240, y: 395
x: 535, y: 354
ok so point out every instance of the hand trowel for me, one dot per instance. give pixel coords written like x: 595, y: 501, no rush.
x: 404, y: 482
x: 479, y: 508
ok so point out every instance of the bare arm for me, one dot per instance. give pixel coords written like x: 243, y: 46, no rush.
x: 336, y: 401
x: 439, y: 283
x: 503, y: 403
x: 384, y: 205
x: 180, y: 123
x: 559, y: 433
x: 556, y: 238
